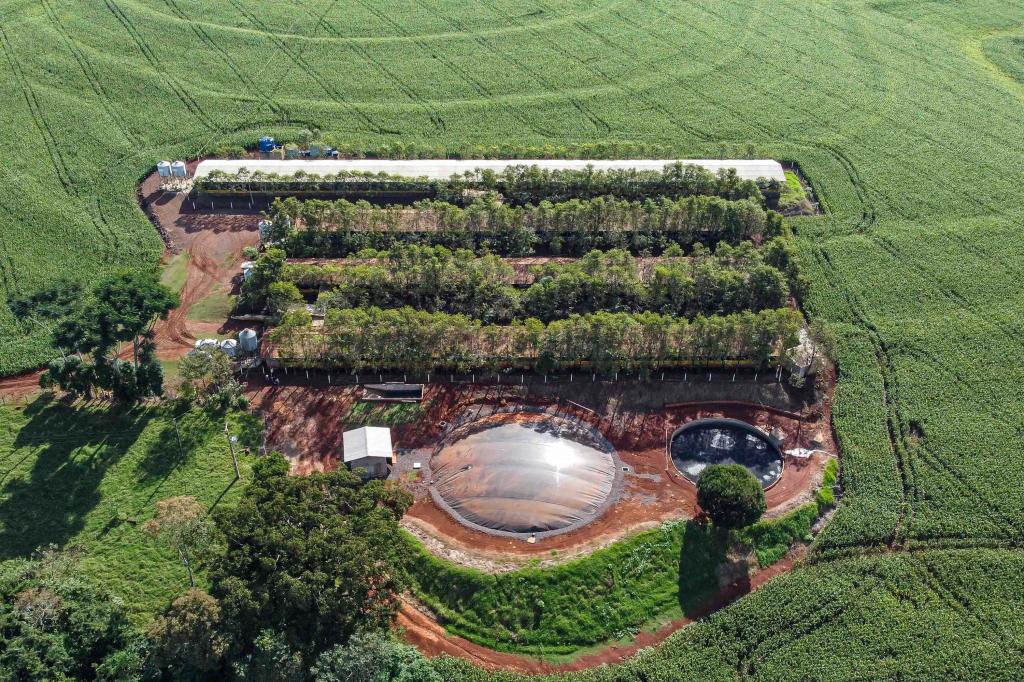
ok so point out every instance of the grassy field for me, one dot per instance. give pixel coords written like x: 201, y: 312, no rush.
x: 904, y: 114
x: 609, y: 595
x: 175, y: 273
x: 91, y: 476
x: 214, y: 308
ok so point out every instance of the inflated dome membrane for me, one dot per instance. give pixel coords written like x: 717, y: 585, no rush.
x: 525, y: 476
x: 704, y: 442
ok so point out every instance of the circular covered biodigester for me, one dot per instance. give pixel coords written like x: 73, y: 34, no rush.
x: 700, y: 443
x: 524, y: 474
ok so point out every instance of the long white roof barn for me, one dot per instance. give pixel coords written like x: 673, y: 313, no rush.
x: 442, y: 169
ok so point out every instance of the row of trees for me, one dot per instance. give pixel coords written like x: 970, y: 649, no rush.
x: 316, y: 228
x: 731, y: 279
x: 530, y: 184
x: 524, y: 184
x: 510, y: 149
x: 405, y: 339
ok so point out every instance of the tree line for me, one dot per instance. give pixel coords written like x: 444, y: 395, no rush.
x: 331, y: 229
x: 727, y: 280
x: 405, y: 339
x: 521, y: 184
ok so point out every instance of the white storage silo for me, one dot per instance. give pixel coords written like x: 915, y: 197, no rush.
x: 178, y: 169
x: 163, y: 169
x: 230, y: 347
x: 248, y: 341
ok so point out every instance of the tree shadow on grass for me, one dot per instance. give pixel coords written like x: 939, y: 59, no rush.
x: 73, y: 447
x: 702, y: 553
x: 200, y: 433
x: 173, y: 446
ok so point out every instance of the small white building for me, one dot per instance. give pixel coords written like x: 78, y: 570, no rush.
x: 368, y: 448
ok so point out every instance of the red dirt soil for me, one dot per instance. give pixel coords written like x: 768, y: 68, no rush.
x: 430, y: 637
x: 19, y: 385
x: 214, y: 244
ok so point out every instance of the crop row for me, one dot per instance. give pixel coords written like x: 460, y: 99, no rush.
x: 897, y: 604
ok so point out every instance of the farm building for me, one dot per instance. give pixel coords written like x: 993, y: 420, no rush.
x: 368, y: 448
x: 442, y: 169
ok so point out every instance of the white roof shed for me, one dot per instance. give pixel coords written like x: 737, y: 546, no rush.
x: 368, y: 441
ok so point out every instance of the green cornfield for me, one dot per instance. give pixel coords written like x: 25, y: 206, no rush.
x: 905, y: 116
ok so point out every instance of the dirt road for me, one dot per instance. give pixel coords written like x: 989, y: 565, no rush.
x: 213, y: 244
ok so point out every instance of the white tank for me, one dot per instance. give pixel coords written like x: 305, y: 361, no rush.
x: 248, y: 341
x: 205, y: 344
x: 230, y: 347
x: 178, y: 169
x: 163, y: 169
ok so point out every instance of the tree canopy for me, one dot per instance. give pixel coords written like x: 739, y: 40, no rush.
x: 56, y: 624
x: 373, y: 657
x: 187, y: 638
x: 120, y: 308
x: 309, y: 558
x: 730, y: 495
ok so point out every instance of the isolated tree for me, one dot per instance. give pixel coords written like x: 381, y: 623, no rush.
x: 373, y: 657
x: 187, y: 638
x: 180, y: 522
x: 730, y: 495
x: 125, y: 306
x: 312, y: 558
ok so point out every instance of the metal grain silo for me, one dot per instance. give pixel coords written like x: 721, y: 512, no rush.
x: 248, y: 341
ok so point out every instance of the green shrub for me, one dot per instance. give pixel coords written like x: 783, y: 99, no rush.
x: 826, y: 497
x: 730, y: 495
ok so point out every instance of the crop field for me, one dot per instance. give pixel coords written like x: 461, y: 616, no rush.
x: 906, y: 116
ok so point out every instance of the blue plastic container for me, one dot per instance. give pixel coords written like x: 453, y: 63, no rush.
x: 266, y: 144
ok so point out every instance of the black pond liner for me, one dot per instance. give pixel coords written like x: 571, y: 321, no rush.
x: 541, y: 475
x: 701, y: 443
